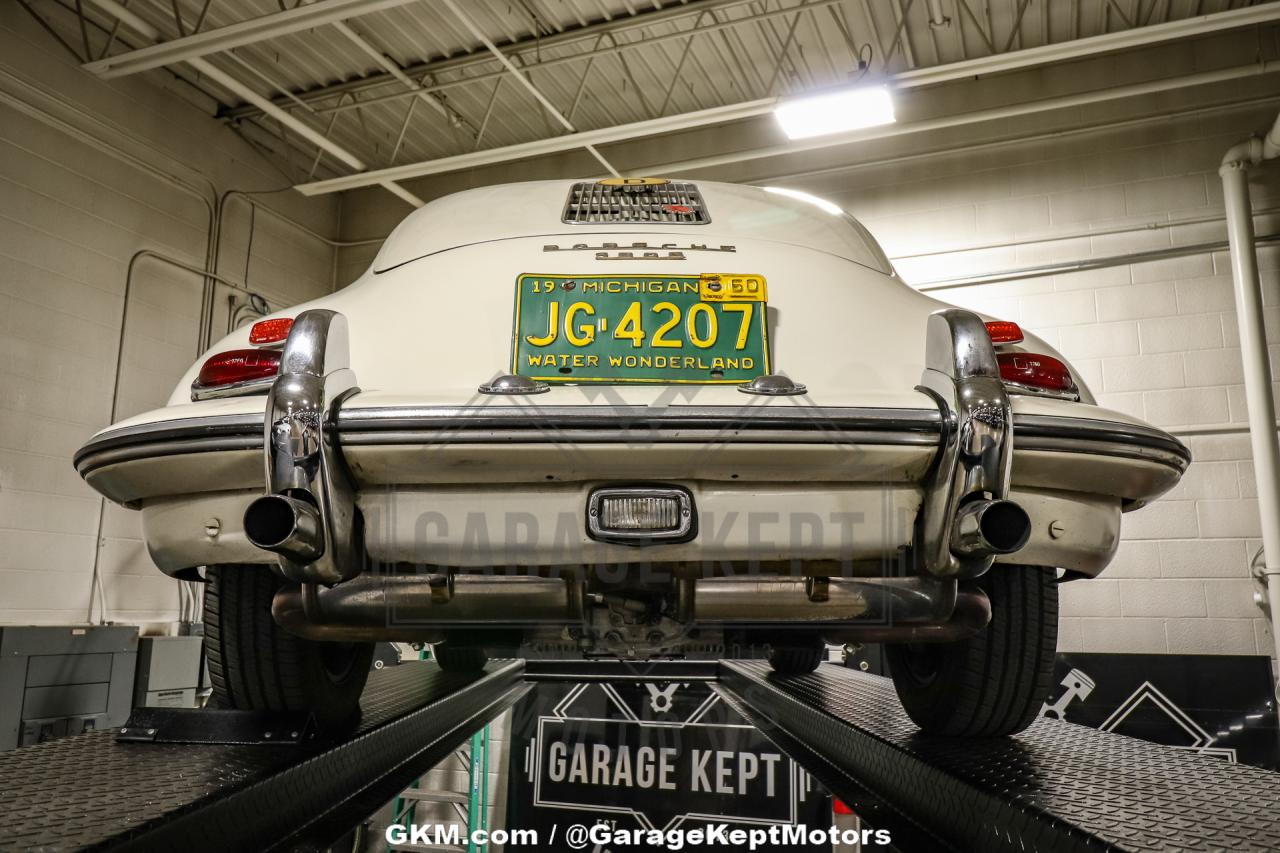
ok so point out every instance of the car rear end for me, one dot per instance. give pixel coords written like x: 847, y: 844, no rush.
x: 637, y: 420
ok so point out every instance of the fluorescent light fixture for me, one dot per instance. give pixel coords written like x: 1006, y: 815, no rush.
x: 835, y: 111
x: 833, y: 209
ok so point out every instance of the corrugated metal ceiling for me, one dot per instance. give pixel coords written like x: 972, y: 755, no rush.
x: 601, y: 62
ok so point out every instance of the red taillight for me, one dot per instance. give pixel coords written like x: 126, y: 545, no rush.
x: 1040, y: 372
x: 1004, y: 332
x: 838, y: 806
x: 238, y: 365
x: 270, y: 331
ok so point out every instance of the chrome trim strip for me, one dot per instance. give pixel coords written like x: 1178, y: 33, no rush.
x: 513, y: 424
x: 534, y: 417
x: 220, y: 432
x: 235, y: 389
x: 615, y: 436
x: 91, y: 459
x: 1019, y: 388
x: 1057, y: 433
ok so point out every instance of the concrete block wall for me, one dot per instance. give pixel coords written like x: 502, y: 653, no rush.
x: 1157, y: 340
x: 77, y: 200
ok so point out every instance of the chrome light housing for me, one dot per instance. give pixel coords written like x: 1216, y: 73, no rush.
x: 641, y: 515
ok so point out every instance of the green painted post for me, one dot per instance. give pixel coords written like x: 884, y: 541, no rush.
x: 478, y: 800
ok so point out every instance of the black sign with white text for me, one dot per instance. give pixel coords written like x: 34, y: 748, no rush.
x: 650, y: 756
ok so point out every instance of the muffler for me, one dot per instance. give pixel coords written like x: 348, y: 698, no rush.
x: 972, y: 614
x: 986, y: 528
x: 285, y: 525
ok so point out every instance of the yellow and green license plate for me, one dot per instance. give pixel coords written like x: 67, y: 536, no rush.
x: 707, y: 329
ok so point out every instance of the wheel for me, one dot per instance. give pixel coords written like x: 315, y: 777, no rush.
x: 994, y: 683
x: 255, y: 664
x: 796, y: 655
x: 460, y: 658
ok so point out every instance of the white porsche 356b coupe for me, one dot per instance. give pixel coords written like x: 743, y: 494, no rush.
x: 642, y: 418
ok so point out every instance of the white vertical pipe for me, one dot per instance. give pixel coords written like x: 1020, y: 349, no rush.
x: 1257, y: 372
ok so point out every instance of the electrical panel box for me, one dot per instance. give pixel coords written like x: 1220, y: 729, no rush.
x: 58, y: 681
x: 168, y: 672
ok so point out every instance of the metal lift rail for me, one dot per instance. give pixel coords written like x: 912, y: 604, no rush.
x: 94, y: 792
x: 1056, y: 787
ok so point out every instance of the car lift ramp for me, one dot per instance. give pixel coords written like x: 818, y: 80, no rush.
x: 94, y: 792
x: 1055, y: 787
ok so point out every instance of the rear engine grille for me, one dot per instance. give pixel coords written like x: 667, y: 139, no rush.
x: 674, y: 203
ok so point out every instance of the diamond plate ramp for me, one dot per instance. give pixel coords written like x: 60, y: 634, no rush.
x: 90, y: 792
x: 1055, y: 787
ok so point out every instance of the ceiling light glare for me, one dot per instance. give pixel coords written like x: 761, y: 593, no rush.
x: 835, y: 111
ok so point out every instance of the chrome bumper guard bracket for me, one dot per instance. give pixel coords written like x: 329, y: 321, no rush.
x: 303, y: 460
x: 976, y: 452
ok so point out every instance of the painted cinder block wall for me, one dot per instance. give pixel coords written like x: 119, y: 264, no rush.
x: 71, y: 216
x: 1158, y: 340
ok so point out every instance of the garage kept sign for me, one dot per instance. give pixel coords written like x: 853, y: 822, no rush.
x: 706, y: 329
x: 657, y: 755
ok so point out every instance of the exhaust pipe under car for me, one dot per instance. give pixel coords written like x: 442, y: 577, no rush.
x: 286, y: 525
x: 402, y: 607
x: 985, y: 528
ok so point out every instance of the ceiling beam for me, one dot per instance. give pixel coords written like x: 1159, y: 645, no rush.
x: 236, y: 35
x: 915, y: 78
x: 1066, y: 51
x: 525, y: 81
x: 421, y: 70
x: 587, y: 56
x: 231, y: 84
x: 1062, y: 102
x: 539, y: 147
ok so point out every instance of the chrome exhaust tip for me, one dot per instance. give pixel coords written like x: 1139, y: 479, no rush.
x: 287, y: 526
x: 985, y: 528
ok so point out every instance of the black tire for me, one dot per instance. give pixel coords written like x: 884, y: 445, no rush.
x: 796, y: 655
x: 255, y: 664
x: 460, y: 658
x: 992, y: 684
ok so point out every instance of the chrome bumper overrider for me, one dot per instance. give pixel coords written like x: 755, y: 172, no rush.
x: 308, y: 514
x: 970, y: 478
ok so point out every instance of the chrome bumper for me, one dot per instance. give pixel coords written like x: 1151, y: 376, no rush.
x: 970, y: 433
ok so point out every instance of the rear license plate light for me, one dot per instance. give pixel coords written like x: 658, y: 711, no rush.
x: 640, y: 515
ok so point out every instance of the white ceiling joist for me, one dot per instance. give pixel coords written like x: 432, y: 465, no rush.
x: 315, y: 137
x: 321, y: 12
x: 997, y: 63
x: 477, y: 33
x: 1084, y: 99
x: 236, y: 35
